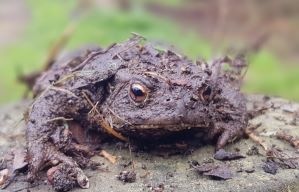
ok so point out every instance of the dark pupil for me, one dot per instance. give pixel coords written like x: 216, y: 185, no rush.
x: 137, y: 92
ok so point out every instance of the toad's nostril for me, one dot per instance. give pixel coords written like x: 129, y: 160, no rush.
x: 207, y: 92
x: 168, y: 99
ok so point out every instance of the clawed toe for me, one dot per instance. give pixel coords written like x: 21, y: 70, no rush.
x: 226, y: 137
x: 223, y: 140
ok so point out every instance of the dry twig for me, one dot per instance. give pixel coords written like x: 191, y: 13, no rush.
x: 294, y: 141
x: 253, y: 136
x: 108, y: 156
x: 59, y: 119
x: 103, y: 123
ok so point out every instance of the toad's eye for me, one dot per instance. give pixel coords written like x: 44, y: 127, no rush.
x: 138, y: 92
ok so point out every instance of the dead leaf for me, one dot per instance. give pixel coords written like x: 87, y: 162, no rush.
x: 221, y: 172
x: 212, y: 170
x: 224, y: 155
x: 294, y: 141
x: 285, y: 161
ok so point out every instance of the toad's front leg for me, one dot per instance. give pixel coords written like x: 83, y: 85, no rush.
x: 48, y: 138
x: 228, y: 128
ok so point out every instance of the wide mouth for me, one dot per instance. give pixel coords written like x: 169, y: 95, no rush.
x: 153, y: 133
x: 170, y: 127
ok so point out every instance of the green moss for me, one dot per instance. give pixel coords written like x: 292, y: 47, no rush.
x: 103, y: 27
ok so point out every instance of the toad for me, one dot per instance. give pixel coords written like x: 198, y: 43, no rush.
x: 129, y: 90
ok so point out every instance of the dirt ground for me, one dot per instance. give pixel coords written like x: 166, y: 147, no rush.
x: 166, y: 171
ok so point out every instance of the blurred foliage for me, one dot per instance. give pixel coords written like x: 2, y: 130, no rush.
x: 103, y: 27
x: 268, y: 75
x: 173, y: 3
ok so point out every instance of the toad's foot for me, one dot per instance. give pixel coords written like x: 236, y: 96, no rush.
x: 227, y: 133
x: 65, y: 174
x: 64, y: 177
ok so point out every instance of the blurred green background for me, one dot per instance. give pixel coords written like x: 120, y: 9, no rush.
x: 199, y: 29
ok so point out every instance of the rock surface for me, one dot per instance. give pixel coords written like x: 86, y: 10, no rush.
x: 172, y: 172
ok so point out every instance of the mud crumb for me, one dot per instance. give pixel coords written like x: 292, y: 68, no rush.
x: 253, y: 151
x: 270, y: 167
x: 143, y: 166
x: 169, y: 174
x: 209, y: 160
x: 249, y: 170
x: 127, y: 176
x: 156, y: 188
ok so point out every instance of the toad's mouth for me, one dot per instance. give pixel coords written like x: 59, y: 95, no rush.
x: 156, y: 131
x: 121, y: 129
x: 171, y: 127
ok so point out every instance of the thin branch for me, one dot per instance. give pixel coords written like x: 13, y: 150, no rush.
x: 59, y: 119
x: 103, y: 123
x: 253, y: 136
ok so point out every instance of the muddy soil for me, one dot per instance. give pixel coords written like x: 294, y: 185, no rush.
x: 164, y: 171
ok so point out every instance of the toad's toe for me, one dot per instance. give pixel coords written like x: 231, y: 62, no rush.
x: 226, y: 137
x: 223, y: 139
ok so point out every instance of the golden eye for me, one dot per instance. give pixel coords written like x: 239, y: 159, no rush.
x: 138, y: 92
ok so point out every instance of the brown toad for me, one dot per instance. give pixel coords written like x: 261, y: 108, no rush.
x: 130, y: 90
